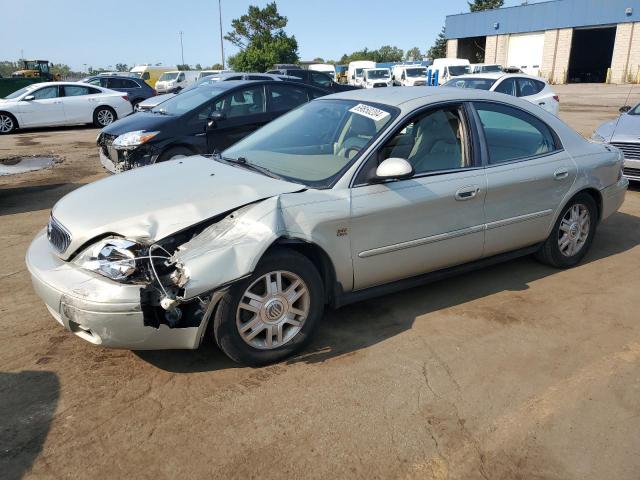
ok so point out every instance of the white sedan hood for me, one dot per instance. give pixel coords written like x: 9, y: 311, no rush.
x: 150, y: 203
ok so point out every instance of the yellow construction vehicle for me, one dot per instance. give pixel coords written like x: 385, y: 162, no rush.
x: 36, y: 69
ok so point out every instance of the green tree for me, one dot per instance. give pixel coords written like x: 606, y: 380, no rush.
x: 198, y: 66
x: 216, y: 66
x: 183, y: 67
x: 318, y: 60
x: 413, y: 54
x: 262, y: 41
x: 7, y: 68
x: 480, y: 5
x: 387, y: 53
x: 122, y: 67
x: 439, y: 48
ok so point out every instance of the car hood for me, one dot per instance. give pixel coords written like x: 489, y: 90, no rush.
x: 625, y: 129
x: 155, y: 100
x: 151, y: 203
x: 139, y: 121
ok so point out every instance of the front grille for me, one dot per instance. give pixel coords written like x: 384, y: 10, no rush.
x: 58, y: 236
x: 630, y: 150
x: 631, y: 172
x: 106, y: 142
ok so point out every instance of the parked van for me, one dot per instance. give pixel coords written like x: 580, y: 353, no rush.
x: 376, y: 77
x: 448, y: 68
x: 409, y: 75
x: 485, y: 68
x: 324, y: 68
x: 173, y: 82
x: 208, y: 73
x: 150, y: 73
x: 356, y: 69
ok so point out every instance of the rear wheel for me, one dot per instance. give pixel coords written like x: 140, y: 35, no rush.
x: 572, y: 233
x: 104, y: 116
x: 7, y: 123
x: 273, y: 313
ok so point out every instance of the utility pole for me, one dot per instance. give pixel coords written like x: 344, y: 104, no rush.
x: 221, y: 44
x: 181, y: 47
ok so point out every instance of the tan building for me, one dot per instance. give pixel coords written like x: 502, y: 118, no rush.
x: 564, y: 41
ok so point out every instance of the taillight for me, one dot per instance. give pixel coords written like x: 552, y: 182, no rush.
x: 126, y: 97
x: 556, y: 98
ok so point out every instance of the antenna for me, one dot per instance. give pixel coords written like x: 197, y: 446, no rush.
x: 181, y: 48
x: 221, y: 41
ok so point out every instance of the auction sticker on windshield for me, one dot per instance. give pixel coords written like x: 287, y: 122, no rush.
x: 370, y: 112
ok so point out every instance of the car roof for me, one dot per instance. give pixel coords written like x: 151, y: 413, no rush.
x: 497, y: 75
x: 45, y: 84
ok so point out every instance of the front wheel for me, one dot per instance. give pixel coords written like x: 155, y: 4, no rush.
x: 7, y: 123
x: 273, y: 313
x: 572, y: 233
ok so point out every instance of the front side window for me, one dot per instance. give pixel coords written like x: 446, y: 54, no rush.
x: 507, y: 86
x: 512, y: 134
x: 186, y: 101
x: 431, y: 142
x: 316, y: 142
x: 75, y: 91
x: 45, y: 93
x: 94, y: 81
x: 248, y: 101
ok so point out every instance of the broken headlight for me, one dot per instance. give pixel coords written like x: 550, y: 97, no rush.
x: 115, y: 258
x: 133, y: 139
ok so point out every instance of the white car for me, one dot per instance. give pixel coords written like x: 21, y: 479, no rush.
x: 533, y: 89
x: 50, y: 104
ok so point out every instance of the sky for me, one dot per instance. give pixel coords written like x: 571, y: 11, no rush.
x: 84, y: 33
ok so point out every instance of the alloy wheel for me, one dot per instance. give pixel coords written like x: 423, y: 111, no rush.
x: 6, y: 123
x: 272, y: 311
x: 574, y: 230
x: 105, y: 117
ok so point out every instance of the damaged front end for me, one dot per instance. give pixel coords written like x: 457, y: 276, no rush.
x: 119, y: 158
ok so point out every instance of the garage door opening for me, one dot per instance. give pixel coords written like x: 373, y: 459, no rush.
x: 591, y: 54
x: 472, y: 49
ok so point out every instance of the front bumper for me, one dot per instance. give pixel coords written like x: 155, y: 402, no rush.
x: 613, y: 197
x: 116, y: 161
x: 96, y: 309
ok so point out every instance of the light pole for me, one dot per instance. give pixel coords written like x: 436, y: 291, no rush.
x: 181, y: 47
x: 221, y: 44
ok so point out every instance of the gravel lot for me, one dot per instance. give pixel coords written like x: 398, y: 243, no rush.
x: 515, y: 371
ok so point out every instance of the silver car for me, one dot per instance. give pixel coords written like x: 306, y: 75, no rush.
x: 347, y: 197
x: 624, y: 133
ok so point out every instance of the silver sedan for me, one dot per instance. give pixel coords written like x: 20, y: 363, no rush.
x: 347, y: 197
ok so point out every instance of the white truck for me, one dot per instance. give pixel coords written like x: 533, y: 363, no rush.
x: 485, y: 68
x: 448, y: 68
x: 356, y: 69
x: 173, y: 82
x: 324, y: 68
x: 409, y: 75
x: 376, y: 77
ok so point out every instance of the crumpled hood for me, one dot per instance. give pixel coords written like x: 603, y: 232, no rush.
x: 150, y: 203
x: 139, y: 121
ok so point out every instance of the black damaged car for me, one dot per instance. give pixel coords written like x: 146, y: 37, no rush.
x: 204, y: 120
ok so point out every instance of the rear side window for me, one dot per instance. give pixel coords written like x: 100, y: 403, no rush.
x: 320, y: 79
x: 286, y: 97
x: 146, y: 76
x: 512, y: 134
x: 528, y: 87
x: 121, y: 83
x: 75, y: 91
x: 507, y: 86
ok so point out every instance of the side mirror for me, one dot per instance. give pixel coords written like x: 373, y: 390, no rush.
x: 624, y: 109
x: 214, y: 118
x: 394, y: 169
x: 28, y: 98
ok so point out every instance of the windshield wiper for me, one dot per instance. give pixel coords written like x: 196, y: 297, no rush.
x: 249, y: 166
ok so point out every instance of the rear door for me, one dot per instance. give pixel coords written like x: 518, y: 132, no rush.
x: 46, y: 108
x: 528, y: 176
x: 244, y: 110
x: 79, y: 103
x: 283, y: 98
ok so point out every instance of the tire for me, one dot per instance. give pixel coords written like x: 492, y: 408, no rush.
x: 274, y: 311
x: 571, y: 232
x: 173, y: 153
x: 104, y: 116
x: 135, y: 103
x: 8, y: 123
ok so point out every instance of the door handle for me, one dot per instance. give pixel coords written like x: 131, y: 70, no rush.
x: 542, y: 103
x: 561, y: 174
x: 467, y: 193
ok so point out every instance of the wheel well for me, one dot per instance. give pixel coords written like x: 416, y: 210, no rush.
x: 12, y: 116
x: 318, y: 257
x: 115, y: 114
x: 177, y: 145
x: 597, y: 198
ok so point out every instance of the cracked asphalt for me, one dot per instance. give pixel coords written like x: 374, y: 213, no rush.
x: 514, y: 371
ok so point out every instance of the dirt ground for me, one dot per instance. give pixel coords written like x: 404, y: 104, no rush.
x: 515, y: 371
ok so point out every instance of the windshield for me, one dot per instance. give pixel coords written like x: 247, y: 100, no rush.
x: 416, y: 72
x: 458, y: 70
x: 359, y: 72
x: 168, y: 76
x: 17, y: 93
x: 374, y: 74
x: 315, y: 143
x: 634, y: 111
x: 186, y: 101
x: 488, y: 68
x: 478, y: 83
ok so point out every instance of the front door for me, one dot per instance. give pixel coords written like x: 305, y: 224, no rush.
x: 528, y: 176
x: 45, y: 109
x: 434, y: 220
x: 244, y: 112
